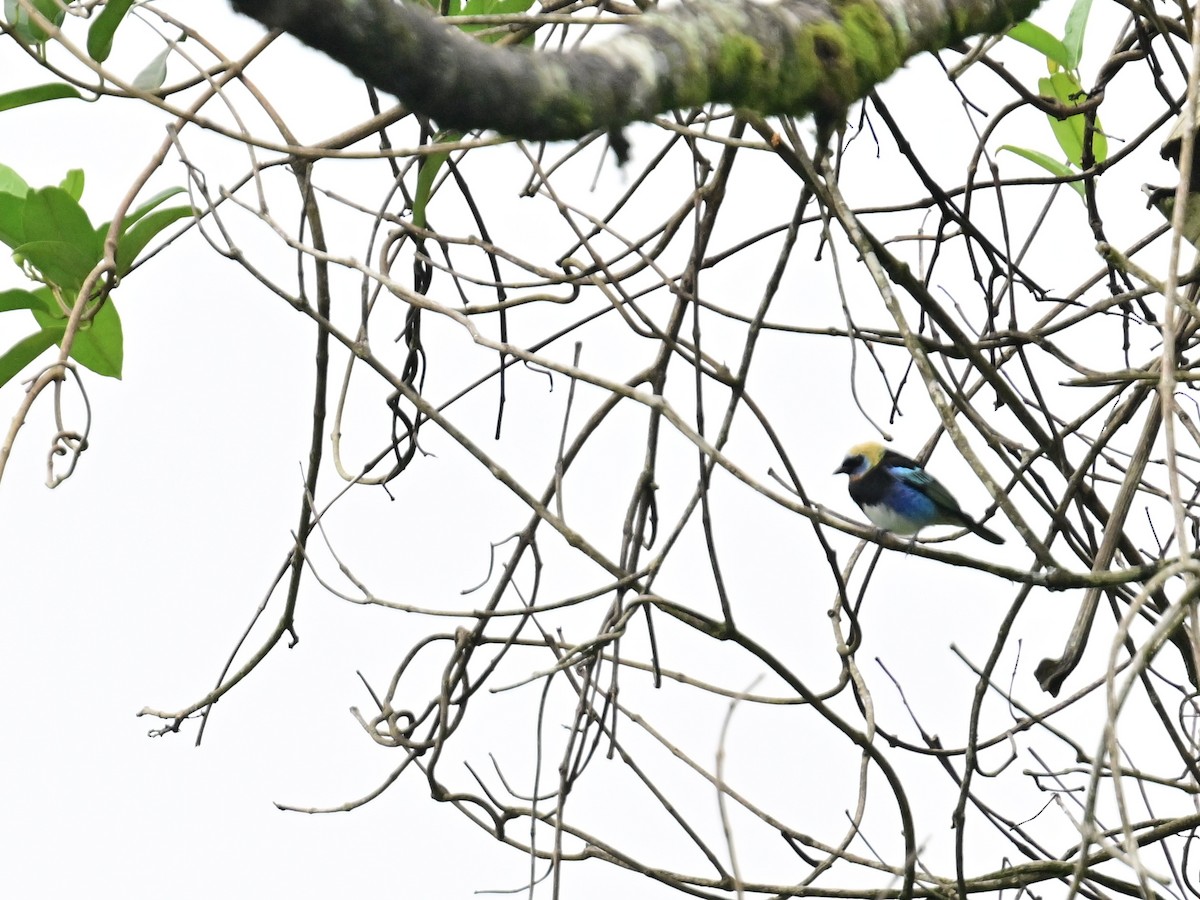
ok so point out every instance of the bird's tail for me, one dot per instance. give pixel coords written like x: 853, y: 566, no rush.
x: 983, y: 531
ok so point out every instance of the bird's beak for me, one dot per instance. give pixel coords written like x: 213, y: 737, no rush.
x: 843, y: 469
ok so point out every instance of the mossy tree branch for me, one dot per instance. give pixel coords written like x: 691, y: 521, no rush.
x: 794, y: 56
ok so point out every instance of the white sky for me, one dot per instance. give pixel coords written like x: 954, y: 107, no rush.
x: 128, y: 585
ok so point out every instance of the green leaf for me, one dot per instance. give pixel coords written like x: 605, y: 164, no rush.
x: 1065, y: 88
x: 1050, y: 164
x: 494, y: 7
x: 26, y: 350
x: 1042, y: 41
x: 11, y: 182
x: 51, y: 214
x: 37, y: 94
x: 72, y: 183
x: 149, y: 205
x: 12, y: 219
x: 425, y: 175
x: 26, y: 29
x: 18, y: 299
x: 100, y: 343
x: 152, y: 77
x: 100, y: 34
x: 426, y: 172
x: 134, y: 216
x: 491, y: 8
x: 49, y: 316
x: 1074, y: 29
x: 134, y: 240
x: 59, y: 263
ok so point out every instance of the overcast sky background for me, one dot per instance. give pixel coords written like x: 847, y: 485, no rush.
x: 128, y: 585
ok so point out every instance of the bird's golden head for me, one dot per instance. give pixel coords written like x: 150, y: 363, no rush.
x: 861, y: 458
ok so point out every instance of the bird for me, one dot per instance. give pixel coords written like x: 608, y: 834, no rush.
x: 898, y: 495
x: 1163, y: 199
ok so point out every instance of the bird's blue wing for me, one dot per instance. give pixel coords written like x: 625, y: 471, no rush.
x: 916, y: 477
x: 912, y: 475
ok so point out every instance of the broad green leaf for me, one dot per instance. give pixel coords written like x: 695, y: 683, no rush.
x: 11, y: 182
x: 1042, y: 41
x: 72, y: 183
x: 134, y: 240
x: 58, y: 262
x: 100, y: 34
x: 152, y: 77
x: 1050, y: 164
x: 26, y: 29
x: 49, y: 315
x: 1074, y: 29
x: 12, y: 206
x: 101, y: 234
x: 18, y: 299
x: 37, y: 94
x: 12, y: 219
x: 1065, y: 88
x: 26, y: 350
x: 51, y: 214
x: 100, y: 343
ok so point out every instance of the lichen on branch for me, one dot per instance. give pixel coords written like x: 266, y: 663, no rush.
x: 796, y: 57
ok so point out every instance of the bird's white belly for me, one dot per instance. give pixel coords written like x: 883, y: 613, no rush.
x: 882, y: 516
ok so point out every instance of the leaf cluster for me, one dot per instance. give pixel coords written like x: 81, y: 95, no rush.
x: 1064, y: 88
x: 55, y: 244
